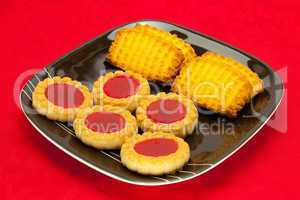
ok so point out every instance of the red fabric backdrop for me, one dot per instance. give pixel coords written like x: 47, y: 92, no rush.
x: 34, y: 33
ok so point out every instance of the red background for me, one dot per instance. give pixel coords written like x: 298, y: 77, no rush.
x: 35, y: 33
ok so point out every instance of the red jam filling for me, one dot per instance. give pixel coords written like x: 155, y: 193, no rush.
x: 64, y: 95
x: 166, y: 111
x: 105, y: 122
x: 121, y: 86
x: 156, y: 147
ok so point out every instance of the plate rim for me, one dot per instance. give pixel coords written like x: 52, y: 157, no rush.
x: 111, y: 175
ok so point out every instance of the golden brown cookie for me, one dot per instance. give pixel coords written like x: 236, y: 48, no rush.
x: 186, y: 48
x: 170, y: 113
x: 252, y: 77
x: 60, y: 98
x: 146, y: 54
x: 121, y: 89
x: 104, y: 127
x: 155, y: 153
x: 213, y: 85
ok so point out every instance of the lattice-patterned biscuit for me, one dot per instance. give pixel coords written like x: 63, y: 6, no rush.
x: 252, y: 77
x: 215, y: 86
x: 104, y: 127
x: 129, y: 88
x: 145, y: 54
x: 186, y: 48
x: 60, y: 98
x: 155, y: 153
x: 170, y: 113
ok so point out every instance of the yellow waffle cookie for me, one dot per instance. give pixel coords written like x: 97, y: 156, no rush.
x: 217, y: 87
x: 252, y: 77
x: 155, y: 153
x: 186, y: 48
x: 145, y: 54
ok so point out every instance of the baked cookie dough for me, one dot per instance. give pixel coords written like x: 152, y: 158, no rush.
x: 252, y: 77
x: 104, y: 127
x: 121, y: 89
x: 214, y: 85
x: 155, y: 153
x: 186, y: 49
x: 170, y: 113
x: 60, y: 98
x: 146, y: 54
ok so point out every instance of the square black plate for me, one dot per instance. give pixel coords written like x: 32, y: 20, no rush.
x: 215, y: 139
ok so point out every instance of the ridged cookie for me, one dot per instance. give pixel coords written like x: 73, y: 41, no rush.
x: 217, y: 87
x: 252, y: 77
x: 185, y: 47
x: 145, y: 54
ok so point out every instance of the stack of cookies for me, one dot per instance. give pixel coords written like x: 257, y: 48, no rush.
x: 108, y: 117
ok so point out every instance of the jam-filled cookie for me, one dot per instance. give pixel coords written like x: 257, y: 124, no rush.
x: 155, y: 153
x: 121, y: 89
x: 104, y: 127
x: 60, y: 98
x: 170, y: 113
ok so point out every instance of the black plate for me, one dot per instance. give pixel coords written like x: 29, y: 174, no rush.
x: 216, y: 137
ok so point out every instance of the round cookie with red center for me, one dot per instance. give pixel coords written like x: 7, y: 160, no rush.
x: 104, y: 127
x: 155, y: 153
x: 170, y: 113
x: 60, y: 98
x: 121, y: 89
